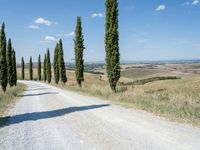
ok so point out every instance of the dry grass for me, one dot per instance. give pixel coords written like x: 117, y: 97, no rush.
x: 139, y: 72
x: 8, y: 98
x: 175, y: 99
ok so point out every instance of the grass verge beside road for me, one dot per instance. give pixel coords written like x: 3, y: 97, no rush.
x: 8, y: 98
x: 177, y: 100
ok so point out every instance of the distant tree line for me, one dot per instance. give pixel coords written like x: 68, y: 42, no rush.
x: 8, y: 71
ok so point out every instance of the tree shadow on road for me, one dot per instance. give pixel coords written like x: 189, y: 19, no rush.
x: 11, y: 120
x: 37, y: 89
x: 38, y: 94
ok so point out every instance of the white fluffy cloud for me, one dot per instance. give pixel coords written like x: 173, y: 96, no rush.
x: 43, y: 21
x: 34, y: 27
x: 195, y: 2
x: 70, y: 34
x: 161, y: 8
x: 94, y: 15
x: 50, y: 38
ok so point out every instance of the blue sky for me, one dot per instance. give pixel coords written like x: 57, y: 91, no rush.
x: 149, y: 29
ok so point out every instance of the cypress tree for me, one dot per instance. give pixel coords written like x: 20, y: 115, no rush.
x: 44, y: 69
x: 39, y: 68
x: 62, y: 69
x: 79, y: 48
x: 14, y: 68
x: 22, y: 67
x: 112, y: 43
x: 48, y: 65
x: 56, y: 64
x: 9, y: 63
x: 3, y: 63
x: 31, y: 69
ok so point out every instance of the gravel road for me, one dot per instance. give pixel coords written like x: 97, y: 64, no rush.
x: 48, y: 118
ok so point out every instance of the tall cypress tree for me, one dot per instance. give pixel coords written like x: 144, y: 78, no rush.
x: 14, y: 69
x: 39, y: 68
x: 22, y: 67
x: 48, y: 65
x: 9, y: 63
x: 31, y: 69
x: 107, y: 36
x: 3, y: 63
x: 112, y: 43
x: 45, y: 69
x: 56, y: 64
x: 62, y: 63
x: 79, y: 48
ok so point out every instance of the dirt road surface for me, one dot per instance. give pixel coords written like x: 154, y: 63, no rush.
x: 48, y: 118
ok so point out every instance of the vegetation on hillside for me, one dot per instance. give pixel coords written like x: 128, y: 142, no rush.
x: 139, y: 72
x: 147, y: 80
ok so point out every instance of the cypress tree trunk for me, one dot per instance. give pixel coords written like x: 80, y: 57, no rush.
x: 112, y: 43
x: 44, y: 69
x: 39, y: 68
x: 31, y: 69
x: 56, y: 64
x: 79, y: 48
x: 62, y: 69
x: 9, y: 63
x: 48, y: 65
x: 3, y: 63
x: 22, y: 71
x: 14, y: 68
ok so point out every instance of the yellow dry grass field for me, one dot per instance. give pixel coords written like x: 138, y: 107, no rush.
x: 174, y: 99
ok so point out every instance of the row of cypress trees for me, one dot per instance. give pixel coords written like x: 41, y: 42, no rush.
x: 59, y: 66
x: 111, y: 47
x: 58, y: 62
x: 8, y: 71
